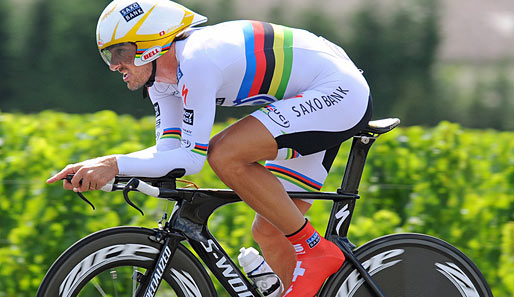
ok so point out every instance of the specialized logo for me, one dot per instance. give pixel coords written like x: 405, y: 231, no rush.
x: 275, y: 115
x: 313, y: 240
x: 151, y: 53
x: 131, y: 11
x: 185, y: 91
x: 229, y: 272
x: 189, y: 116
x: 102, y: 258
x: 159, y: 271
x: 458, y: 278
x: 374, y: 265
x: 341, y: 215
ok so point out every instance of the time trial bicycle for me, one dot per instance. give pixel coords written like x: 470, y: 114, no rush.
x: 135, y: 261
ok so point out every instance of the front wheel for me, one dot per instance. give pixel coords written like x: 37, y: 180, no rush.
x: 406, y: 265
x: 114, y: 262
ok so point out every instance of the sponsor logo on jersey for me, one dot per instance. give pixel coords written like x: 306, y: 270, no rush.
x: 220, y: 101
x: 151, y: 53
x: 187, y: 131
x: 188, y: 116
x: 186, y: 143
x: 131, y: 11
x: 185, y: 91
x: 313, y: 240
x: 312, y: 105
x: 179, y: 74
x: 157, y: 109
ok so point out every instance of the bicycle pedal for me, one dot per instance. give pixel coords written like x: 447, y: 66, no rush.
x: 137, y: 276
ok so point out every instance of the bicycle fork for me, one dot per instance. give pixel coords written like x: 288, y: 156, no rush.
x: 346, y: 247
x: 150, y: 281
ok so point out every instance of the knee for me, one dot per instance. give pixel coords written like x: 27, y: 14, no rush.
x: 264, y: 232
x: 225, y: 159
x: 218, y: 156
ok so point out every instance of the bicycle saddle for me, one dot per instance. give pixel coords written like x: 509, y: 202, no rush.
x: 381, y: 126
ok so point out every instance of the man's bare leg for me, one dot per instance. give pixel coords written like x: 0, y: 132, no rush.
x: 234, y: 156
x: 276, y: 249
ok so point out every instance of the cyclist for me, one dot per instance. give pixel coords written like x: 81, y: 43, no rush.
x: 313, y: 98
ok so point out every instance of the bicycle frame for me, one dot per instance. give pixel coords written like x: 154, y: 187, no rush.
x: 189, y: 218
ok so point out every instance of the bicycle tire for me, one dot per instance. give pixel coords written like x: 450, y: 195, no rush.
x: 99, y: 262
x: 406, y: 265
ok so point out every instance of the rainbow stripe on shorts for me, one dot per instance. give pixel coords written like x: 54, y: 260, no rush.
x: 295, y: 177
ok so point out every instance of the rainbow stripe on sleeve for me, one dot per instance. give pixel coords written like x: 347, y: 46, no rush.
x: 200, y: 149
x: 175, y: 133
x: 269, y: 60
x: 295, y: 177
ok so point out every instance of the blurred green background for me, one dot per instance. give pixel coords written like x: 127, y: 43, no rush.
x: 446, y: 68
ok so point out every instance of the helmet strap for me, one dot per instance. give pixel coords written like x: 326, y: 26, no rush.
x: 151, y: 80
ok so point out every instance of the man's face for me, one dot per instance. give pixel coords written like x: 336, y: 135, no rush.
x: 120, y: 57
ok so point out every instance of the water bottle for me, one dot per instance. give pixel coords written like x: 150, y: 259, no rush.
x: 260, y: 273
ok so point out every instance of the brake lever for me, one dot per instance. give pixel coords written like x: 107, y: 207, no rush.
x: 85, y: 199
x: 68, y: 178
x: 133, y: 183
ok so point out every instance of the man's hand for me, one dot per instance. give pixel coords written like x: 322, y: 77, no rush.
x: 89, y: 175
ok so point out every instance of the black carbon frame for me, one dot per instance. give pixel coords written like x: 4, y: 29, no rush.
x: 192, y: 212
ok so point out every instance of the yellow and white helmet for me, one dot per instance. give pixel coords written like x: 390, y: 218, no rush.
x: 151, y: 25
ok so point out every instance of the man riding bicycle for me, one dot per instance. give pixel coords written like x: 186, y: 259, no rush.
x: 313, y: 99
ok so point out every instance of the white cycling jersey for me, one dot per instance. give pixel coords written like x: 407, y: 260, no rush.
x: 254, y: 63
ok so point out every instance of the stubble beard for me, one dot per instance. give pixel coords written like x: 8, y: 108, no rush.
x: 139, y: 76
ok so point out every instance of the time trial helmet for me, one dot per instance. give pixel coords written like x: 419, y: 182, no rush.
x: 151, y: 25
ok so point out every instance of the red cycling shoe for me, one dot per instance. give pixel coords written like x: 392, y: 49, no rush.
x: 316, y: 260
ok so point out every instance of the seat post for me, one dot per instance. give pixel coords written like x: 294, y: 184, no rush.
x: 355, y: 164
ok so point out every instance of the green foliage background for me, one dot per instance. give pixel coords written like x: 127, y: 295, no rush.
x: 453, y: 183
x: 49, y: 59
